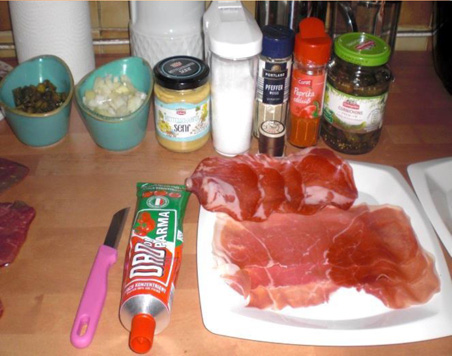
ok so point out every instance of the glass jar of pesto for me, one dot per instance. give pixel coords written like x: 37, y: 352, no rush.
x: 181, y: 102
x: 356, y: 92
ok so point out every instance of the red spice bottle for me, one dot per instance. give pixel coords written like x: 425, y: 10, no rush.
x: 311, y: 55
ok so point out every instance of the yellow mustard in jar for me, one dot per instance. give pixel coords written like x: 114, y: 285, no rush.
x: 182, y: 102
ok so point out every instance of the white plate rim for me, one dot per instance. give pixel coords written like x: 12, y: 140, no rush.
x: 221, y: 321
x: 418, y: 175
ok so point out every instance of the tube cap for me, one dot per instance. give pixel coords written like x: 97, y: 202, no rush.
x: 312, y: 43
x: 142, y: 333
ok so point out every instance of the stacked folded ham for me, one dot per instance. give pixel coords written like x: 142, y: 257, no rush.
x: 289, y: 234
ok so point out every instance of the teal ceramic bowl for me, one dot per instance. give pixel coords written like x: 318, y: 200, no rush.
x: 38, y: 129
x: 121, y: 132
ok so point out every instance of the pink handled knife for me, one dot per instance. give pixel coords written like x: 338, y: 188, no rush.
x: 93, y: 298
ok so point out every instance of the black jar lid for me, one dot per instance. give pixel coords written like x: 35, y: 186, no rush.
x: 181, y: 72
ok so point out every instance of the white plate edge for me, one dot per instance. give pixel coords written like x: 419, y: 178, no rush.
x: 418, y: 177
x: 341, y: 338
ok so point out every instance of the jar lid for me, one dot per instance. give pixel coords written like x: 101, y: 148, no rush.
x: 312, y: 43
x: 278, y: 41
x: 362, y: 49
x: 181, y: 72
x: 231, y: 31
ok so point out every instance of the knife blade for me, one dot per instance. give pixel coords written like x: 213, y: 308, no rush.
x: 95, y: 292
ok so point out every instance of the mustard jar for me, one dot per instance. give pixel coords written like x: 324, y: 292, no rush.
x: 181, y: 102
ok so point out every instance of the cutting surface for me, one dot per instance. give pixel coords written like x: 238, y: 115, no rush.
x: 76, y: 187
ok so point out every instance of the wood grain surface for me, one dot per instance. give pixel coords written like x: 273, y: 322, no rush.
x: 76, y: 187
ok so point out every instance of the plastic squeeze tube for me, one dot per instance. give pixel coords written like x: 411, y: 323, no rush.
x: 152, y: 262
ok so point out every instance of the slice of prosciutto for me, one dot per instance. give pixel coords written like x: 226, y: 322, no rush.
x: 11, y: 173
x: 15, y: 220
x: 252, y: 187
x: 299, y: 260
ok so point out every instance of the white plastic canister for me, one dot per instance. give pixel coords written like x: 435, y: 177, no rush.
x: 162, y: 29
x: 233, y: 43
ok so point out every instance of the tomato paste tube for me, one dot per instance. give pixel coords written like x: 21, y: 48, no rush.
x: 152, y: 262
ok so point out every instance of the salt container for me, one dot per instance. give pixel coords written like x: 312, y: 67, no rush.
x: 233, y: 42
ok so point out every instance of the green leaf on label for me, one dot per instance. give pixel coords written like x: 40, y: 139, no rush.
x: 315, y: 114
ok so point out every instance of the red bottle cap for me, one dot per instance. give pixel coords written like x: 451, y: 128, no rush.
x: 142, y: 333
x: 312, y: 43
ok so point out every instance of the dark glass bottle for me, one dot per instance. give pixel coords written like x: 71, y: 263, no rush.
x: 442, y: 46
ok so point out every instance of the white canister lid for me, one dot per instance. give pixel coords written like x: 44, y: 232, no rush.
x: 231, y: 30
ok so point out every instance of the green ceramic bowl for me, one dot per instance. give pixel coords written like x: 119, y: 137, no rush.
x: 124, y: 132
x: 38, y: 129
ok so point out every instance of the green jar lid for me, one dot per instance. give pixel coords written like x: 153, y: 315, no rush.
x: 362, y: 49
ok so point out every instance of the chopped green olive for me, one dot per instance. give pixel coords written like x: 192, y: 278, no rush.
x: 38, y: 99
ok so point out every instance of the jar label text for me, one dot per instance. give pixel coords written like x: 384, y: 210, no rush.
x: 352, y: 113
x: 182, y: 121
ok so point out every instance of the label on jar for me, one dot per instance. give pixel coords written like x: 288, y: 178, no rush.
x: 353, y: 113
x: 182, y: 122
x: 306, y: 97
x: 273, y: 82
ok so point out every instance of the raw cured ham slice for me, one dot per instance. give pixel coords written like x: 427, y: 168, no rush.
x: 381, y: 255
x: 15, y: 220
x: 299, y: 260
x: 252, y: 187
x: 326, y: 177
x: 11, y: 173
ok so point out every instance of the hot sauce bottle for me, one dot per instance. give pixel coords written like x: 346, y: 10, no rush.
x: 311, y: 55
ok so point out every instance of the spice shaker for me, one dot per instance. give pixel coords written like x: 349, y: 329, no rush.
x: 356, y: 93
x: 311, y: 55
x: 274, y: 73
x: 272, y: 138
x: 233, y: 43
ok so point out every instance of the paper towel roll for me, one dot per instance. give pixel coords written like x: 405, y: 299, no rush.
x: 61, y: 28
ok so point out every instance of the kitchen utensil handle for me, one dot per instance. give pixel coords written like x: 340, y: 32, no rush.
x: 93, y: 298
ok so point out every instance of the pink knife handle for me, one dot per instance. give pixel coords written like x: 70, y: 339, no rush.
x: 93, y: 298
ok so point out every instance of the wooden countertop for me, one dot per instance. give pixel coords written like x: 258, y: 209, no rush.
x: 76, y: 187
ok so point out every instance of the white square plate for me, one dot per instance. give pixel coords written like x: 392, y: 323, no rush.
x: 349, y: 318
x: 432, y: 182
